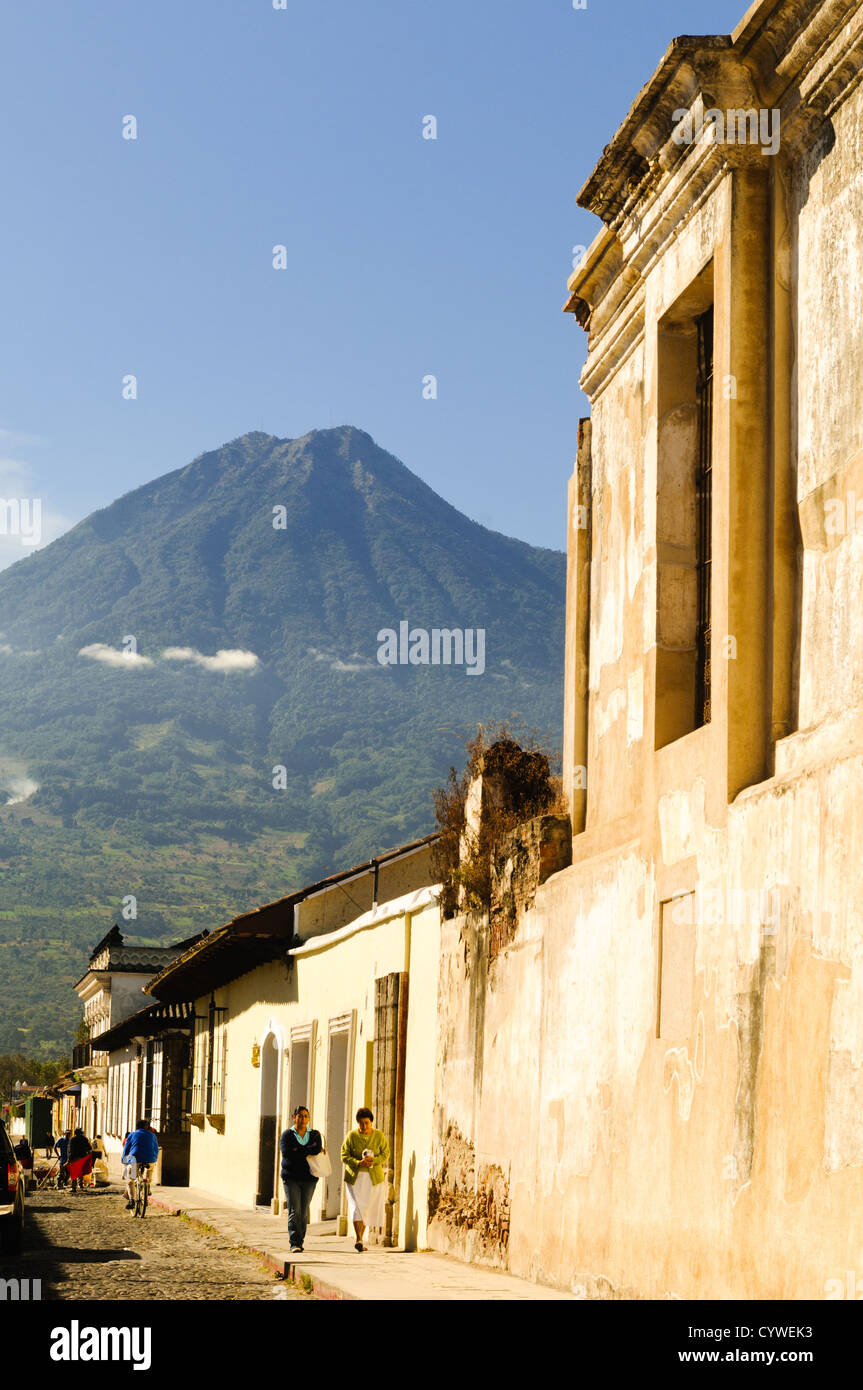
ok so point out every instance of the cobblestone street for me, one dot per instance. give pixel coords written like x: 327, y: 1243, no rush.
x: 87, y: 1246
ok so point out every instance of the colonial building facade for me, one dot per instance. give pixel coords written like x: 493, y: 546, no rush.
x: 640, y: 1074
x: 149, y: 1071
x: 675, y: 1029
x: 328, y: 999
x: 136, y: 1058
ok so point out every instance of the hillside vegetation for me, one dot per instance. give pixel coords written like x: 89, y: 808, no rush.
x: 152, y: 777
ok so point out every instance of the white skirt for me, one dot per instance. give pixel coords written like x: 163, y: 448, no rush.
x: 366, y: 1202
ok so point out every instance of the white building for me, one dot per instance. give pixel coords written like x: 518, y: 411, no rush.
x: 111, y: 990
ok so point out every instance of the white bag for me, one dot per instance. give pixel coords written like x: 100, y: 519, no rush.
x: 319, y: 1164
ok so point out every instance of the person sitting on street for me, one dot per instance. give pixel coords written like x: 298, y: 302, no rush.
x: 141, y: 1149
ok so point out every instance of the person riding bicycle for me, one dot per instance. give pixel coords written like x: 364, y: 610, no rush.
x: 140, y: 1150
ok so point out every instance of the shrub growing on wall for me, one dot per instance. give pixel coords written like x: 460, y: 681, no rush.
x: 506, y: 780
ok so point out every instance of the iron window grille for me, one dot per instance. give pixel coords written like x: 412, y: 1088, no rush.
x: 704, y: 512
x: 208, y: 1079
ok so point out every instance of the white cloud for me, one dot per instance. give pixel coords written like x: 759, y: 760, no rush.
x: 100, y: 651
x: 356, y: 662
x: 231, y: 660
x: 5, y: 649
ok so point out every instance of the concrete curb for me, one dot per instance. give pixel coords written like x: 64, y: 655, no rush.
x: 285, y: 1269
x: 330, y: 1270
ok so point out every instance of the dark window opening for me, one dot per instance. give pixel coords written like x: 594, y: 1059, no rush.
x: 684, y: 488
x: 704, y: 498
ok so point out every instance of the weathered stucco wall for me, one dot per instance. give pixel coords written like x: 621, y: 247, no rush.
x: 828, y: 260
x: 329, y: 909
x: 655, y: 1089
x: 621, y: 581
x: 726, y: 1161
x: 127, y: 996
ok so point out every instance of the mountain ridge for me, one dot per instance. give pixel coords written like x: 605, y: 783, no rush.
x: 154, y: 775
x: 108, y: 523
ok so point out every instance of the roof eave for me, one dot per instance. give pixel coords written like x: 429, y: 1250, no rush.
x: 174, y: 981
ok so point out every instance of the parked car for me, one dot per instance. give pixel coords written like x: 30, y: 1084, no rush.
x: 11, y: 1197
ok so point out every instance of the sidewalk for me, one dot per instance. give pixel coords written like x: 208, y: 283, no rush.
x: 336, y: 1270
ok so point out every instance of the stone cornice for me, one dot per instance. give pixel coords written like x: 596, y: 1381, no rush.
x: 628, y: 167
x: 791, y: 54
x: 625, y: 335
x: 801, y: 57
x: 789, y: 44
x: 610, y: 286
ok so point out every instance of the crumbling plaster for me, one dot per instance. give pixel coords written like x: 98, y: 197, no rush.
x: 727, y: 1162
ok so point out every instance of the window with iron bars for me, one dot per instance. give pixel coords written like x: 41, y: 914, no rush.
x: 176, y: 1084
x: 152, y: 1097
x: 208, y: 1079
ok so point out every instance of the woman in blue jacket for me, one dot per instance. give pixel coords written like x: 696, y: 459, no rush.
x: 297, y: 1144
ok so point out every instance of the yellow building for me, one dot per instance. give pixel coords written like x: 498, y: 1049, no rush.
x: 326, y: 998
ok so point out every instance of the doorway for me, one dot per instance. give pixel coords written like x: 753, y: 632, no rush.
x: 267, y: 1126
x: 301, y: 1058
x: 337, y: 1108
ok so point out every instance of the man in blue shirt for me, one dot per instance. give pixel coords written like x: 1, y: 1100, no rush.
x: 141, y: 1148
x: 61, y: 1149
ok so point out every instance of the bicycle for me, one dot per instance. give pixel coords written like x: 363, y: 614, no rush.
x: 142, y: 1189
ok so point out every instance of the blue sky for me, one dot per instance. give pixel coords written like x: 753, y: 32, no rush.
x: 405, y: 256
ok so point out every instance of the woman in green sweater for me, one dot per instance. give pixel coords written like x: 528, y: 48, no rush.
x: 365, y: 1153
